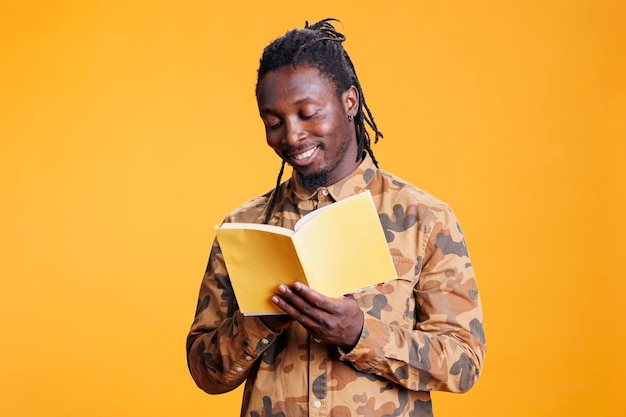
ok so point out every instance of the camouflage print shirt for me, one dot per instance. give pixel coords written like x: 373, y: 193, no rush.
x: 422, y: 332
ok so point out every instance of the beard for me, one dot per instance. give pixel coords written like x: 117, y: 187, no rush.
x: 312, y: 182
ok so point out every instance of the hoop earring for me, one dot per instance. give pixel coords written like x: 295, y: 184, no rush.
x: 350, y: 117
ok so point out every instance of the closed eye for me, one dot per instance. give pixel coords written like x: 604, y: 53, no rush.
x: 308, y: 115
x: 272, y: 124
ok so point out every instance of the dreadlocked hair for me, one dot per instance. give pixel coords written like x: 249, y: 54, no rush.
x: 320, y: 45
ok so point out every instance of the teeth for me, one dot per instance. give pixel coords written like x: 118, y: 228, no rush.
x: 303, y: 154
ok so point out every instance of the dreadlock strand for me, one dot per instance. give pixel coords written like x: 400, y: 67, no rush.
x: 272, y: 205
x: 370, y: 121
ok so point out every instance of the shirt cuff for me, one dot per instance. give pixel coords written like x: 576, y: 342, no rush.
x: 371, y: 345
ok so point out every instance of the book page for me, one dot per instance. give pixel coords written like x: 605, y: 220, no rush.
x: 310, y: 216
x: 258, y: 226
x: 343, y: 249
x: 257, y: 262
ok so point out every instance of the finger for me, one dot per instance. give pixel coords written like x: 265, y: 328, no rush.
x: 312, y: 298
x: 295, y: 299
x: 286, y: 304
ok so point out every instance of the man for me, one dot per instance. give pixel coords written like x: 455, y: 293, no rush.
x: 374, y: 353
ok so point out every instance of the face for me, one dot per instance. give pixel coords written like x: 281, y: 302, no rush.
x: 306, y: 123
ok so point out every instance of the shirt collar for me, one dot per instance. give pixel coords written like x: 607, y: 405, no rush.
x: 356, y: 182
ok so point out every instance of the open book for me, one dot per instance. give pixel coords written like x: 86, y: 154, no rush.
x: 335, y: 250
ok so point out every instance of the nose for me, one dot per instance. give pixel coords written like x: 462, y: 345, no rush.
x: 294, y: 131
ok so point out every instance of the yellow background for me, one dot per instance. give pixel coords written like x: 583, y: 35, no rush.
x: 129, y: 129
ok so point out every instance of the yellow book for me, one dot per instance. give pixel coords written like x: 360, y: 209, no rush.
x: 335, y: 250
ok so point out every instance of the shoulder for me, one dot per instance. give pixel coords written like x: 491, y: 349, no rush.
x: 251, y: 211
x: 402, y: 206
x: 397, y: 191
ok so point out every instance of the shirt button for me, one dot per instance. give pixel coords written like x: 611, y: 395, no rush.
x: 239, y: 369
x: 324, y: 191
x: 265, y: 341
x: 317, y: 404
x: 248, y: 357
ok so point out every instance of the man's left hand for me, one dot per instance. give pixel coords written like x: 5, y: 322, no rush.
x: 337, y: 321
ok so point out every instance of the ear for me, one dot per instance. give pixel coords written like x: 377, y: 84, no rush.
x: 350, y: 100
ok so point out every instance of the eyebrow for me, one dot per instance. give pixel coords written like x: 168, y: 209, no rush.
x: 302, y: 100
x: 295, y: 103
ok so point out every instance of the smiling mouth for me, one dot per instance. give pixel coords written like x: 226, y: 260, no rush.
x: 303, y: 155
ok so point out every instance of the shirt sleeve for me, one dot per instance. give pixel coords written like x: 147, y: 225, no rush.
x: 445, y: 348
x: 223, y: 344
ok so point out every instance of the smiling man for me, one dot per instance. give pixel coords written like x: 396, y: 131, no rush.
x: 378, y: 352
x: 309, y: 124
